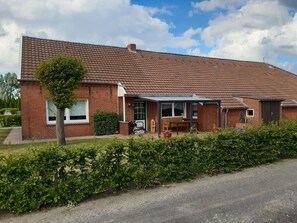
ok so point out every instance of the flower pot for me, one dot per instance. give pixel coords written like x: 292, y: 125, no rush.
x: 167, y: 135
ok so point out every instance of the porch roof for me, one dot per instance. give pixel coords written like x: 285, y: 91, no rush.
x: 176, y: 98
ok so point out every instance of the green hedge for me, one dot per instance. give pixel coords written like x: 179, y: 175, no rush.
x: 13, y: 110
x: 105, y: 123
x: 10, y: 120
x: 57, y: 175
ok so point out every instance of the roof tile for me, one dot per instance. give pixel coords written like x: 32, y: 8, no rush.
x: 148, y: 72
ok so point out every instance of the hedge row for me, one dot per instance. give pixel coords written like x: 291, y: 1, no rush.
x: 105, y: 123
x: 10, y: 120
x: 13, y: 110
x: 58, y: 175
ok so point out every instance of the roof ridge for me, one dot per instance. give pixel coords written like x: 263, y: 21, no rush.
x: 73, y: 42
x: 205, y: 57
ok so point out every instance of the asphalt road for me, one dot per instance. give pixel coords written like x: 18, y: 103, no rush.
x: 263, y: 194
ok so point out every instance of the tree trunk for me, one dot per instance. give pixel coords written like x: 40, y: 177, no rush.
x: 60, y: 127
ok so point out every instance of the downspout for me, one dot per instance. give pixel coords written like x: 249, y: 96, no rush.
x: 159, y: 119
x: 121, y: 93
x: 219, y: 113
x: 226, y: 117
x: 191, y: 113
x: 124, y: 109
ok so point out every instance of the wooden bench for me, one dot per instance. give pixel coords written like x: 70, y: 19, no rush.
x: 169, y: 123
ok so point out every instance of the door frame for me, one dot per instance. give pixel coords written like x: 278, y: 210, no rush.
x: 145, y: 111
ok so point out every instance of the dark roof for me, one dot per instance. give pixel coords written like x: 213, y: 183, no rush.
x: 154, y: 73
x: 260, y: 98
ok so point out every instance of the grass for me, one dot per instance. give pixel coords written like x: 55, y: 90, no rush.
x: 4, y: 133
x: 101, y: 143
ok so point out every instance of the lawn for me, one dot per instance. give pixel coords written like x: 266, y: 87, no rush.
x: 101, y: 143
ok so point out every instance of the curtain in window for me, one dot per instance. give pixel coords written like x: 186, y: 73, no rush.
x: 178, y: 109
x: 52, y: 111
x: 78, y: 111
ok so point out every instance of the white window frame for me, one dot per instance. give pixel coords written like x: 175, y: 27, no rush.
x: 247, y: 115
x: 67, y: 114
x: 172, y: 107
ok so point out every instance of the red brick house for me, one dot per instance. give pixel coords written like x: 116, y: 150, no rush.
x: 144, y: 86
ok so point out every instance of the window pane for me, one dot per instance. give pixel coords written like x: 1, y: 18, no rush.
x: 52, y: 111
x: 139, y: 111
x: 166, y: 110
x: 78, y: 111
x: 178, y: 109
x: 250, y: 112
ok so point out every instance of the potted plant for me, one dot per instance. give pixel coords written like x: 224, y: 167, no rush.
x: 244, y: 123
x: 167, y: 134
x: 132, y: 125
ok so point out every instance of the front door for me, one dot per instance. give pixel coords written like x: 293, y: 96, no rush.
x: 140, y: 114
x: 270, y: 111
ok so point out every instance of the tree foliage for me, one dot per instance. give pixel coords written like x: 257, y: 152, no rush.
x: 9, y: 86
x: 61, y: 74
x: 10, y: 103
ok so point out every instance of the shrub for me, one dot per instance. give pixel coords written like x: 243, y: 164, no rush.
x: 56, y: 175
x: 105, y: 123
x: 10, y: 120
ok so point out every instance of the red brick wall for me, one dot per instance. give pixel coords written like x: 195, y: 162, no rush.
x: 232, y: 117
x: 33, y: 102
x: 289, y: 113
x: 129, y: 110
x: 256, y: 105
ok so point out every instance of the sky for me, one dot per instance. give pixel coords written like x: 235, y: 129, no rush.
x: 253, y: 30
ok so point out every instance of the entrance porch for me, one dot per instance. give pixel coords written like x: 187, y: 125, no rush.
x: 156, y: 114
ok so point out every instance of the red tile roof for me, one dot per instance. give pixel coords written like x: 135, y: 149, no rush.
x: 155, y: 73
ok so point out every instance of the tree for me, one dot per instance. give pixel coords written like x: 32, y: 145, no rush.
x: 9, y: 86
x: 61, y: 75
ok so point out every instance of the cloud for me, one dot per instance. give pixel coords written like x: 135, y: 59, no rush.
x: 258, y: 29
x: 109, y: 22
x: 211, y: 5
x: 165, y: 10
x: 289, y: 3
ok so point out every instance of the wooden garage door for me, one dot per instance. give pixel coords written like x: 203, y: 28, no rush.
x: 270, y: 111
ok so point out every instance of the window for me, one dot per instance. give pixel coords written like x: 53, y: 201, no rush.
x: 78, y: 113
x: 195, y: 110
x: 250, y: 113
x: 167, y: 110
x: 173, y: 109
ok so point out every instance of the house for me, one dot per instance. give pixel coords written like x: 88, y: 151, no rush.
x: 152, y: 87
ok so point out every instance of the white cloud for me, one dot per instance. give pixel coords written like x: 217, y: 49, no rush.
x: 210, y: 5
x: 165, y: 10
x: 258, y: 29
x: 110, y: 22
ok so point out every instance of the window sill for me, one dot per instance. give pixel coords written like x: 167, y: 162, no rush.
x: 65, y: 124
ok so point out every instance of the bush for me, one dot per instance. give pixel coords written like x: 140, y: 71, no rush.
x: 57, y: 175
x: 105, y: 123
x: 10, y: 120
x: 12, y: 110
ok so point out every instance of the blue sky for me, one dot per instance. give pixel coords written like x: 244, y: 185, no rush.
x: 255, y: 30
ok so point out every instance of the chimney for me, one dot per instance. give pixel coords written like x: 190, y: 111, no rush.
x: 132, y: 47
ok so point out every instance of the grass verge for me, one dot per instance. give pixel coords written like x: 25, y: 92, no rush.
x: 7, y: 149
